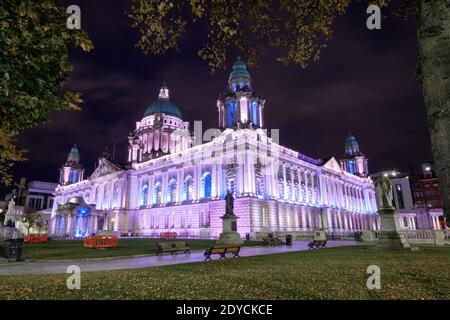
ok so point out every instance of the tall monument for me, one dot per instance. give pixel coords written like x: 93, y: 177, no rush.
x: 389, y: 237
x: 229, y: 233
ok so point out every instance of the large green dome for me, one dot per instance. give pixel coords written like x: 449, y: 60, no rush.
x: 163, y: 105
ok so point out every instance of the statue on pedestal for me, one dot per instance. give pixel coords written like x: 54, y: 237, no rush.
x: 389, y: 236
x: 229, y: 201
x: 229, y: 235
x: 11, y: 205
x: 383, y: 188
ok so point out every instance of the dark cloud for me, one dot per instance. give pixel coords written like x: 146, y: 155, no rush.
x: 364, y: 83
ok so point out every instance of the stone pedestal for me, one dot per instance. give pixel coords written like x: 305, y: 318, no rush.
x: 367, y: 235
x: 320, y: 235
x: 229, y: 233
x: 389, y: 237
x: 440, y: 237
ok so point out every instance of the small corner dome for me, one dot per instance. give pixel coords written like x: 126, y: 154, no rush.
x: 74, y: 153
x: 239, y: 71
x: 163, y: 105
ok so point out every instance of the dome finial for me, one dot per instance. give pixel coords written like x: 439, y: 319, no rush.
x: 164, y: 92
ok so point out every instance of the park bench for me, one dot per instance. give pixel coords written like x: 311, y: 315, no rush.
x: 222, y: 251
x: 317, y: 244
x: 172, y: 247
x: 272, y: 242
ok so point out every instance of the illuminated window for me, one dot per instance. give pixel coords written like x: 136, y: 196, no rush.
x: 157, y: 194
x: 255, y: 113
x: 74, y: 177
x: 144, y: 195
x: 230, y: 114
x: 172, y: 192
x: 206, y: 185
x: 188, y: 188
x: 231, y: 186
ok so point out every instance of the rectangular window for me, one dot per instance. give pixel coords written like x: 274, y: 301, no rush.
x: 405, y: 222
x: 265, y: 218
x: 401, y: 203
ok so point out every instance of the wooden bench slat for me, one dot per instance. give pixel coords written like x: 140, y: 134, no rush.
x: 172, y: 247
x: 222, y: 251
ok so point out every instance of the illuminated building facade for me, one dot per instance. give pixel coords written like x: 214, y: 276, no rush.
x: 173, y: 183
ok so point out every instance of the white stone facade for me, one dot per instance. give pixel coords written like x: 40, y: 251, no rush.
x: 180, y: 187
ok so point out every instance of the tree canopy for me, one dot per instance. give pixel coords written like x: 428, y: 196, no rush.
x: 299, y: 29
x: 34, y: 67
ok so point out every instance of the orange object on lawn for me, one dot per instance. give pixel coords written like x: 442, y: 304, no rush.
x: 168, y: 235
x: 101, y: 242
x: 36, y: 238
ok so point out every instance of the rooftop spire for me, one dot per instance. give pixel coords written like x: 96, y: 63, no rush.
x: 164, y: 92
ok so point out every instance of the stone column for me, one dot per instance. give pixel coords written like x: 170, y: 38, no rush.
x: 219, y: 180
x: 313, y: 190
x: 164, y: 187
x: 305, y: 175
x: 300, y: 191
x: 213, y: 181
x: 285, y: 189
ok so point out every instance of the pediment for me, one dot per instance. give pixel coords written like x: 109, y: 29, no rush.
x: 104, y: 168
x: 333, y: 165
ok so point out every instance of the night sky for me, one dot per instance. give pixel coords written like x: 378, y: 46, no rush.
x: 363, y: 83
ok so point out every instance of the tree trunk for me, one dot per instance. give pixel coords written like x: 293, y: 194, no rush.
x: 434, y: 51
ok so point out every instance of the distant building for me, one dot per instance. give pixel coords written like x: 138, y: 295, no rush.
x: 425, y: 188
x: 416, y: 198
x: 35, y: 196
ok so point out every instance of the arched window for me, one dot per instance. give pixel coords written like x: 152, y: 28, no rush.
x: 157, y: 194
x: 231, y: 186
x: 188, y: 191
x: 144, y: 195
x: 206, y: 185
x: 172, y: 191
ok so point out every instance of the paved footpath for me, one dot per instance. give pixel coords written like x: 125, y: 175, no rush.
x: 55, y: 266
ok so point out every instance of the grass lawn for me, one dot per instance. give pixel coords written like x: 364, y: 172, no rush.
x: 335, y: 273
x: 73, y: 249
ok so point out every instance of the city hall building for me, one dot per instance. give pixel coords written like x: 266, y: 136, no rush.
x: 174, y: 183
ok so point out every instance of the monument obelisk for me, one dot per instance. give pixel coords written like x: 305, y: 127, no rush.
x: 229, y: 233
x: 389, y: 237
